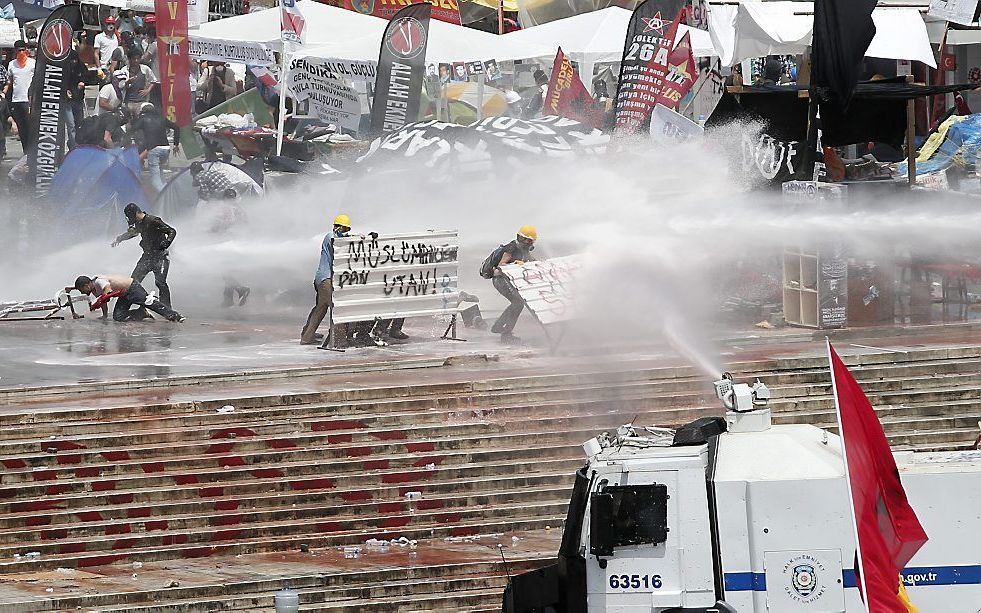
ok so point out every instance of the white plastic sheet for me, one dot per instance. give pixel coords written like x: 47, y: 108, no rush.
x: 755, y: 29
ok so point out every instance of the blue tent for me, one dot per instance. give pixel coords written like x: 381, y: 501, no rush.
x: 91, y: 188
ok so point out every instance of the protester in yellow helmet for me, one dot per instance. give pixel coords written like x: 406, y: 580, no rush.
x: 517, y: 251
x: 322, y: 284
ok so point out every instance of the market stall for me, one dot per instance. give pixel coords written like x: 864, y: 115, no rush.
x: 596, y: 37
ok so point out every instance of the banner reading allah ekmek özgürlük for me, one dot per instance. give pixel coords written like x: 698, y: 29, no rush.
x: 401, y: 69
x: 48, y: 95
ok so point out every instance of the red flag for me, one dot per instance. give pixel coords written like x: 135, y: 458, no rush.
x: 175, y: 63
x: 568, y: 97
x: 680, y: 75
x: 443, y: 10
x: 889, y: 533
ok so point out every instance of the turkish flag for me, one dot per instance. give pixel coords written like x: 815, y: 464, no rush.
x: 889, y: 533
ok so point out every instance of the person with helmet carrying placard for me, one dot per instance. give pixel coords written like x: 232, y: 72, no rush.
x: 322, y: 284
x: 517, y: 251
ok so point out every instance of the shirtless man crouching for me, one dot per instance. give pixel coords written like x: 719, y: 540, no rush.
x: 103, y: 288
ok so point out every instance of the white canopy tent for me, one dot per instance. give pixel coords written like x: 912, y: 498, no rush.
x: 594, y: 37
x: 351, y: 35
x: 755, y: 29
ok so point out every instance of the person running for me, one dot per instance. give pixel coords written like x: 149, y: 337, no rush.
x: 127, y: 292
x: 517, y: 251
x: 155, y: 238
x: 150, y: 130
x: 322, y: 282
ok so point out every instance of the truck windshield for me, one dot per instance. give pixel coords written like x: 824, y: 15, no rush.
x: 640, y: 514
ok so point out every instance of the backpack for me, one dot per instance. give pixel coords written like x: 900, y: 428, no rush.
x: 487, y: 268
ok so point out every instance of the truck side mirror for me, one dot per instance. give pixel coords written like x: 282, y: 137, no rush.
x: 601, y: 537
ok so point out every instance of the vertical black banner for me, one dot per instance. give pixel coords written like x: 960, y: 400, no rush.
x: 48, y: 93
x: 648, y: 26
x: 401, y: 68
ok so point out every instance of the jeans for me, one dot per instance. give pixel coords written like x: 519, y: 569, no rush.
x: 158, y: 263
x: 506, y: 322
x: 137, y: 295
x: 325, y: 298
x: 21, y: 112
x: 74, y: 113
x: 155, y: 159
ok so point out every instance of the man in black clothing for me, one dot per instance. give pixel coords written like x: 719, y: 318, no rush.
x: 150, y: 131
x: 74, y: 96
x: 155, y: 238
x: 517, y: 251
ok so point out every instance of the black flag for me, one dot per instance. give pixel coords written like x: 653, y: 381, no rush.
x: 637, y: 90
x: 843, y: 30
x: 401, y: 68
x: 48, y: 88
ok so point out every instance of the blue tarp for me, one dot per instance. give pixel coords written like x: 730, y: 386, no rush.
x: 91, y: 188
x: 963, y: 143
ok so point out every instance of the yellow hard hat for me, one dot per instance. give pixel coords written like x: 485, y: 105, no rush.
x: 528, y: 232
x: 342, y: 220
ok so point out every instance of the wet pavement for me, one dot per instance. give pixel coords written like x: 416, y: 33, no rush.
x: 68, y: 352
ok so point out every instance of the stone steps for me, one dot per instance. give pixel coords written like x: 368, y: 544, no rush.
x: 328, y: 468
x: 282, y: 538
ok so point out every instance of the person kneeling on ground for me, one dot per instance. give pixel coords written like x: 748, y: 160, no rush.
x: 103, y: 288
x: 517, y: 251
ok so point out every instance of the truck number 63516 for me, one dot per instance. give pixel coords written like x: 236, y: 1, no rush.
x: 635, y: 582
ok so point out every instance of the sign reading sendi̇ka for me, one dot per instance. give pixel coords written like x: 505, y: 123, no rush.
x: 331, y: 97
x: 443, y: 10
x: 547, y: 286
x: 397, y: 275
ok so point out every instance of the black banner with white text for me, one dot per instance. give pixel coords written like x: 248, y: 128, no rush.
x: 48, y: 89
x: 401, y: 68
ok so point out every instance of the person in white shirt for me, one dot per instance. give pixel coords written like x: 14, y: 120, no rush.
x: 21, y: 73
x: 110, y: 98
x: 106, y: 42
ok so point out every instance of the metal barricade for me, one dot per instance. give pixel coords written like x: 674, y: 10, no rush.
x: 395, y: 276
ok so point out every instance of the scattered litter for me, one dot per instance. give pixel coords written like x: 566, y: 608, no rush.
x: 134, y: 575
x: 16, y: 556
x: 174, y: 584
x: 548, y: 527
x: 411, y: 496
x: 352, y: 551
x: 33, y: 555
x: 67, y: 571
x: 304, y: 548
x: 374, y: 544
x: 137, y: 565
x: 51, y: 450
x: 430, y: 466
x: 226, y: 409
x: 514, y: 539
x: 766, y: 325
x: 50, y: 590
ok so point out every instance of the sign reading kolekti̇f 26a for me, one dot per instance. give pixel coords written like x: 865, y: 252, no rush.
x: 397, y: 275
x: 325, y: 83
x: 547, y: 286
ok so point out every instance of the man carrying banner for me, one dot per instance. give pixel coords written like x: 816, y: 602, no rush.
x: 323, y: 283
x: 517, y: 251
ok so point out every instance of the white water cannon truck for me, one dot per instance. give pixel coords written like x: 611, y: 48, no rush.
x: 735, y: 514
